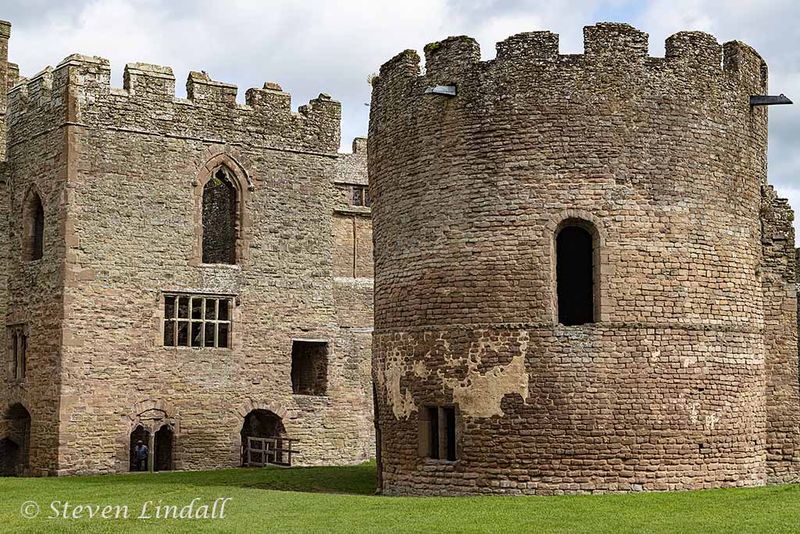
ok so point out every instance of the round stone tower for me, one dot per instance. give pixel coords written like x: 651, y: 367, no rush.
x: 567, y: 266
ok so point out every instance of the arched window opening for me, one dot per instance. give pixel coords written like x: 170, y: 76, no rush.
x: 220, y: 210
x: 575, y: 275
x: 33, y: 228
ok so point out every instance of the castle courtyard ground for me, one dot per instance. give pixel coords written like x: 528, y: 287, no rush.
x: 340, y: 499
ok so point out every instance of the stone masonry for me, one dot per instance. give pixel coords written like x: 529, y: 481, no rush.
x: 686, y: 375
x: 118, y: 176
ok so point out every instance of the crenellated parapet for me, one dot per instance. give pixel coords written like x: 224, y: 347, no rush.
x: 143, y: 80
x: 700, y: 87
x: 605, y: 44
x: 352, y: 168
x: 79, y: 91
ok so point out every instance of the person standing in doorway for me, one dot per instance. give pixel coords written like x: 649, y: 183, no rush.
x: 140, y: 453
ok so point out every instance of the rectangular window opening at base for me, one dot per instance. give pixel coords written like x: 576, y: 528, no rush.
x: 309, y: 367
x: 197, y: 321
x: 438, y: 433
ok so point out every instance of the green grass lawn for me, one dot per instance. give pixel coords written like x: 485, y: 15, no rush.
x: 340, y: 499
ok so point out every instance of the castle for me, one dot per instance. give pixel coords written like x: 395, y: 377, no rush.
x: 191, y: 273
x: 583, y: 281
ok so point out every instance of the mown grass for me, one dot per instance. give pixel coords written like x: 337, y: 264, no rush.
x: 340, y: 499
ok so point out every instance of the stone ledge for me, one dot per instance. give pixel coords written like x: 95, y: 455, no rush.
x: 354, y: 210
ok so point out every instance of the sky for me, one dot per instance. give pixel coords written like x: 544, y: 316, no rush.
x: 313, y: 46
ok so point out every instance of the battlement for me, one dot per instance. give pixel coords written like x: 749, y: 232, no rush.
x: 604, y: 44
x: 145, y: 80
x: 83, y: 83
x: 613, y: 113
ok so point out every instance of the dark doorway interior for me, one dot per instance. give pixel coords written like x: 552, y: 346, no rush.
x: 309, y: 367
x: 9, y: 457
x: 574, y: 275
x: 15, y: 445
x: 163, y: 449
x: 138, y: 434
x: 449, y: 413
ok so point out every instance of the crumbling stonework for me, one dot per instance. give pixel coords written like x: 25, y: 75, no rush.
x: 686, y: 377
x: 121, y: 174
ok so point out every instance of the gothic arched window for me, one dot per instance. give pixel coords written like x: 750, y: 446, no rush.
x: 220, y: 214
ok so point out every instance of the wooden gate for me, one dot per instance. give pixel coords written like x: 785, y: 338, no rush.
x: 259, y: 452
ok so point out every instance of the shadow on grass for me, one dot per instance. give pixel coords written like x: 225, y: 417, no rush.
x: 354, y: 480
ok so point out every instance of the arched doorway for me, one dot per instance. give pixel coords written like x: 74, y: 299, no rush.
x: 139, y: 434
x: 263, y: 424
x: 162, y: 449
x: 15, y: 445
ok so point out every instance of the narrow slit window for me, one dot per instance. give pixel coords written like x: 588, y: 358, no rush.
x: 33, y: 228
x: 19, y: 350
x: 433, y: 438
x: 14, y: 357
x: 38, y: 232
x: 194, y: 321
x: 575, y: 275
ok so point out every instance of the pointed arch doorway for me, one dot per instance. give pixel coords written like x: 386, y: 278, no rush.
x: 155, y: 430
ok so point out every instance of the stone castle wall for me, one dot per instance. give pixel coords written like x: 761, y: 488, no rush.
x: 665, y: 160
x: 126, y: 185
x: 779, y: 275
x: 37, y: 165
